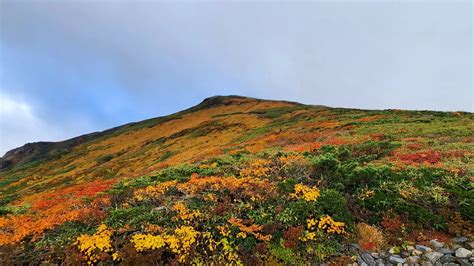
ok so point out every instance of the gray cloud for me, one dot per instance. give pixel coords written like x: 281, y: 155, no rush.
x: 109, y: 63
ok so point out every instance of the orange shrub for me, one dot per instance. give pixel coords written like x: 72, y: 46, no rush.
x: 369, y: 237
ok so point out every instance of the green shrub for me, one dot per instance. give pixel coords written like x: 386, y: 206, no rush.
x: 333, y: 203
x: 104, y: 158
x: 325, y: 165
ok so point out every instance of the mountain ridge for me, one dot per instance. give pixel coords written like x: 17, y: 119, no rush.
x: 267, y: 171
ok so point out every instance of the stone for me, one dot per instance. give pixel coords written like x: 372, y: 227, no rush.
x: 368, y: 259
x: 426, y: 263
x: 354, y: 245
x: 447, y: 258
x: 413, y: 259
x: 157, y: 209
x: 409, y: 248
x: 463, y: 253
x: 464, y: 262
x: 445, y: 251
x: 459, y: 239
x: 433, y: 256
x: 375, y: 255
x: 394, y: 250
x: 470, y: 245
x: 396, y: 259
x: 436, y: 244
x: 405, y: 254
x: 360, y: 261
x: 379, y: 262
x: 423, y: 248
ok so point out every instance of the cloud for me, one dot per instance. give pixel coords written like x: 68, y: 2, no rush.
x: 17, y: 116
x: 19, y: 124
x: 106, y: 63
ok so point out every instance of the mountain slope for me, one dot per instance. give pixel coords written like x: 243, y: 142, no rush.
x: 380, y: 164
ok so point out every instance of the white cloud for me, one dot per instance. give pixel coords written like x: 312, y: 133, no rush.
x: 18, y: 124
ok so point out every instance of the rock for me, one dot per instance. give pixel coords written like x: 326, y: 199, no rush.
x: 394, y: 250
x: 464, y: 262
x: 426, y: 263
x: 409, y: 248
x: 416, y: 253
x: 436, y: 244
x: 375, y: 255
x: 455, y: 246
x: 433, y: 256
x: 379, y: 262
x: 459, y: 239
x: 395, y: 259
x: 157, y: 209
x: 423, y: 248
x: 405, y: 254
x: 354, y: 245
x: 360, y: 261
x: 445, y: 251
x: 447, y: 258
x: 368, y: 259
x: 413, y: 259
x: 470, y: 245
x: 463, y: 253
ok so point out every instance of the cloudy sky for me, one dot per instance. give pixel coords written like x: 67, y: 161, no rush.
x: 72, y: 67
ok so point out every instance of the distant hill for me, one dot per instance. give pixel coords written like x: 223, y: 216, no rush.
x: 240, y: 180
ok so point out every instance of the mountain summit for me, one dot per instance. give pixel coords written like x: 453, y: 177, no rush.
x: 240, y: 180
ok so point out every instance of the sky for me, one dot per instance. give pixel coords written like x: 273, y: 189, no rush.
x: 73, y: 67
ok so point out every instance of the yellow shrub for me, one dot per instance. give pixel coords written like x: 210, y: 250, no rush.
x: 305, y: 192
x: 96, y: 243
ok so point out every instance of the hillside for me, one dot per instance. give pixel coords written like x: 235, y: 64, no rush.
x: 241, y: 180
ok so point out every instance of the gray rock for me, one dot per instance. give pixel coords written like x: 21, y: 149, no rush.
x: 380, y: 262
x: 416, y: 253
x: 463, y: 253
x: 354, y: 245
x: 433, y: 256
x: 375, y: 255
x: 447, y: 258
x: 423, y: 248
x: 159, y: 208
x: 445, y: 251
x: 405, y: 254
x: 436, y: 244
x: 464, y: 262
x: 360, y: 261
x: 470, y: 245
x: 396, y: 259
x: 459, y: 239
x: 368, y: 259
x: 413, y: 259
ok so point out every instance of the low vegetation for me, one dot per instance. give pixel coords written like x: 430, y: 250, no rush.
x: 312, y: 181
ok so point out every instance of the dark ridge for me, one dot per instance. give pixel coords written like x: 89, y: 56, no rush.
x: 41, y: 151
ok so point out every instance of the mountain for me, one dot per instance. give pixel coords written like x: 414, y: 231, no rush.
x: 241, y: 180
